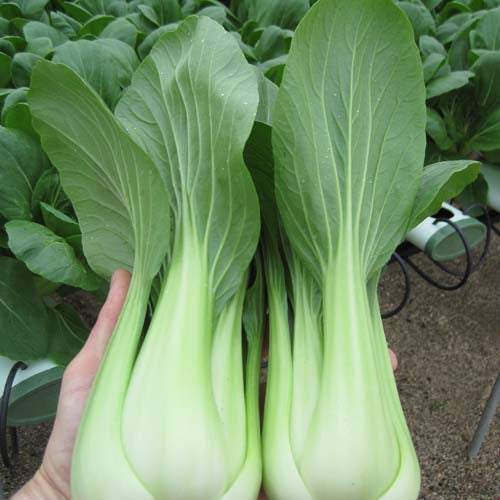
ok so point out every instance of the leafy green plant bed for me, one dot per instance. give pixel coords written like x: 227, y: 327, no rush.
x: 262, y: 156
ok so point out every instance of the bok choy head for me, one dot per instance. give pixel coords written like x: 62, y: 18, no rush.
x: 162, y: 182
x: 348, y: 141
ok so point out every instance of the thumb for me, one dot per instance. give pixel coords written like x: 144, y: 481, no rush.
x: 108, y: 316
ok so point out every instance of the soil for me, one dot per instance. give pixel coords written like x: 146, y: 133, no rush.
x: 448, y: 346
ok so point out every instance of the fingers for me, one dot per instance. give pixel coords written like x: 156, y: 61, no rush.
x: 394, y: 359
x: 108, y: 316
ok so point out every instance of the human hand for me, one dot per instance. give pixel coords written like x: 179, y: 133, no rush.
x: 52, y: 480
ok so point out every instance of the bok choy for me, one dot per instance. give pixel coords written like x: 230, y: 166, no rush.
x: 162, y: 183
x: 348, y: 138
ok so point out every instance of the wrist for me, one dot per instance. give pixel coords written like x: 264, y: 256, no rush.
x: 39, y: 487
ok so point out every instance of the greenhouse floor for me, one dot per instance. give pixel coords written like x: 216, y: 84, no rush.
x: 448, y: 345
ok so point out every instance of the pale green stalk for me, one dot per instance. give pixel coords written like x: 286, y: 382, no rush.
x: 100, y: 433
x: 174, y: 437
x: 278, y: 458
x: 227, y: 380
x: 247, y: 484
x: 407, y: 481
x: 307, y: 353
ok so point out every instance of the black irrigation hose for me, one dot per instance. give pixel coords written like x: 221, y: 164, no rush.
x: 464, y: 277
x: 9, y: 461
x: 406, y: 296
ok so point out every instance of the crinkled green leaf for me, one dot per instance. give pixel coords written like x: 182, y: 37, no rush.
x: 441, y: 182
x: 48, y: 255
x: 115, y: 188
x: 22, y: 161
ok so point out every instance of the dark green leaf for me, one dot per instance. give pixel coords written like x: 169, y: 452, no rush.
x: 283, y: 13
x: 40, y: 46
x: 48, y: 189
x: 436, y: 129
x: 30, y: 8
x: 487, y: 32
x: 5, y: 69
x: 161, y: 12
x: 77, y: 12
x: 106, y: 64
x: 94, y: 26
x: 447, y: 83
x: 430, y: 45
x: 19, y: 117
x: 121, y: 29
x: 420, y: 18
x: 18, y: 42
x: 10, y: 10
x: 48, y: 255
x: 487, y: 134
x: 65, y: 24
x: 487, y: 80
x: 21, y: 163
x: 150, y: 40
x: 7, y: 47
x: 22, y: 66
x: 441, y: 182
x: 24, y: 321
x: 474, y: 193
x: 432, y: 63
x: 34, y: 30
x: 273, y: 42
x: 68, y: 334
x: 58, y: 222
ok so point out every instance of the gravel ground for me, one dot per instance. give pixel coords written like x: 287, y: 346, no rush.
x: 448, y: 345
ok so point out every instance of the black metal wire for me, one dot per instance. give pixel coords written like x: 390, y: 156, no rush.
x: 468, y: 269
x: 9, y: 461
x: 406, y: 296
